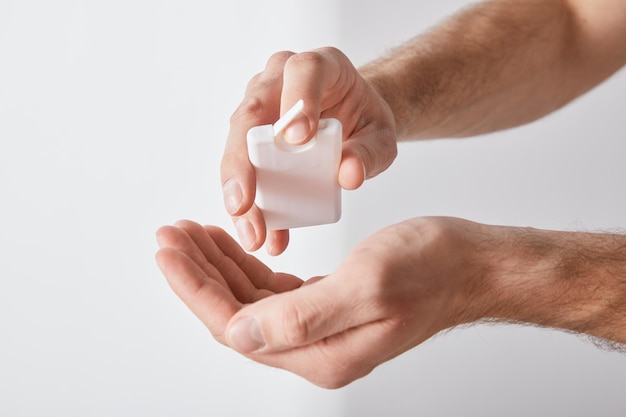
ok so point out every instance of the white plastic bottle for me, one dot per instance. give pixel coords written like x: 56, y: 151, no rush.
x: 297, y: 185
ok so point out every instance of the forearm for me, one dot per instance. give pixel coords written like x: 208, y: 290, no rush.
x: 572, y: 281
x: 500, y: 64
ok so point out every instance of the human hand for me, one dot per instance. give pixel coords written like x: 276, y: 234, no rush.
x: 330, y: 87
x: 396, y: 289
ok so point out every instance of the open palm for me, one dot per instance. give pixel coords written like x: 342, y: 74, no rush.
x: 213, y: 275
x: 393, y: 291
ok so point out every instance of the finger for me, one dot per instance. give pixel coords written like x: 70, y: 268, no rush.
x: 260, y: 106
x: 236, y: 279
x: 331, y: 87
x: 211, y: 302
x: 366, y: 154
x: 277, y: 241
x: 311, y: 76
x: 260, y: 275
x: 176, y: 238
x: 251, y: 228
x: 352, y: 172
x: 344, y: 357
x: 297, y: 318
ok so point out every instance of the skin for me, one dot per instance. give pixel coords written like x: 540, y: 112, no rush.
x: 331, y: 87
x: 493, y: 66
x: 396, y: 289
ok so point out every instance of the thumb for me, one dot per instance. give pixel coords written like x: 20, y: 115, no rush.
x: 366, y: 154
x: 292, y: 319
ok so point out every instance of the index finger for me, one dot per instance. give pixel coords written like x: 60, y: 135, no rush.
x: 260, y: 106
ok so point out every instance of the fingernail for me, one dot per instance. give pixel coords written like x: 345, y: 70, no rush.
x: 297, y: 131
x: 245, y: 232
x: 232, y: 195
x: 269, y: 247
x: 246, y: 336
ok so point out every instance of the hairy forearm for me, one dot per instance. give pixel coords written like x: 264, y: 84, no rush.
x: 499, y: 64
x: 568, y: 280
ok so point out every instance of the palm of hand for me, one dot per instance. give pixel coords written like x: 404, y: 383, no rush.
x: 386, y: 297
x: 210, y: 272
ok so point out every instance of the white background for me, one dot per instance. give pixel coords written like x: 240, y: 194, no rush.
x: 113, y: 117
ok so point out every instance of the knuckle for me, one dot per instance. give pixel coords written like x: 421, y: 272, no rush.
x: 311, y: 58
x: 383, y: 301
x: 370, y: 159
x: 254, y: 81
x: 379, y: 159
x: 332, y: 51
x: 250, y: 108
x: 295, y: 326
x: 278, y: 59
x: 390, y: 148
x: 272, y: 74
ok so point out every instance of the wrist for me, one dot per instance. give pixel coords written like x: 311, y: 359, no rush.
x: 461, y: 249
x: 383, y: 81
x: 572, y: 281
x: 519, y: 267
x: 475, y: 294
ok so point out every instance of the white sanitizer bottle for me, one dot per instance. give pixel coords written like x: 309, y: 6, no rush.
x: 297, y: 185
